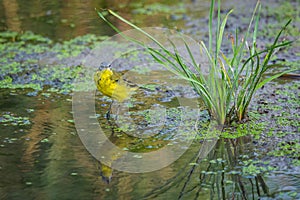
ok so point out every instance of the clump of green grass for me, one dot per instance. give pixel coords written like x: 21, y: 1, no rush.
x: 225, y: 95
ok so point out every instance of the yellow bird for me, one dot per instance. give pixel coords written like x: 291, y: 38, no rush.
x: 106, y: 172
x: 111, y: 84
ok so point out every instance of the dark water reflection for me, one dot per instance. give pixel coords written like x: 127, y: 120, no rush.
x: 61, y: 20
x: 46, y: 160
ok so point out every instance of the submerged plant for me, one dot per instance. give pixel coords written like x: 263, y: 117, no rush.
x: 225, y: 95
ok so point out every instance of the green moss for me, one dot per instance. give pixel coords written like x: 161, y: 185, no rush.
x: 251, y: 168
x: 8, y: 36
x: 11, y: 68
x: 74, y: 47
x: 281, y: 14
x: 253, y: 128
x: 286, y: 10
x: 11, y: 119
x: 22, y: 57
x: 6, y: 82
x: 290, y: 149
x: 296, y: 162
x: 287, y: 121
x: 28, y: 36
x: 155, y: 8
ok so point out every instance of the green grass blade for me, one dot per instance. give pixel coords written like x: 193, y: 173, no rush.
x: 198, y: 68
x: 268, y: 56
x: 241, y: 47
x: 221, y: 31
x: 262, y: 83
x: 217, y: 33
x: 211, y: 13
x: 255, y: 30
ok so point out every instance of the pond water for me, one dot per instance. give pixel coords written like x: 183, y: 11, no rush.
x: 43, y: 156
x: 46, y: 160
x: 65, y: 20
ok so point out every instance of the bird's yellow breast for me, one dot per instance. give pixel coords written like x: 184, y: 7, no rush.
x: 110, y: 84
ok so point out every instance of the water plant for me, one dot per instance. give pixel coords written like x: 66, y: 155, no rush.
x: 11, y: 119
x: 225, y: 93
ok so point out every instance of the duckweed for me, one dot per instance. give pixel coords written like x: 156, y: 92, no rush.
x: 290, y: 149
x: 11, y: 119
x: 156, y: 8
x: 25, y: 61
x: 253, y: 168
